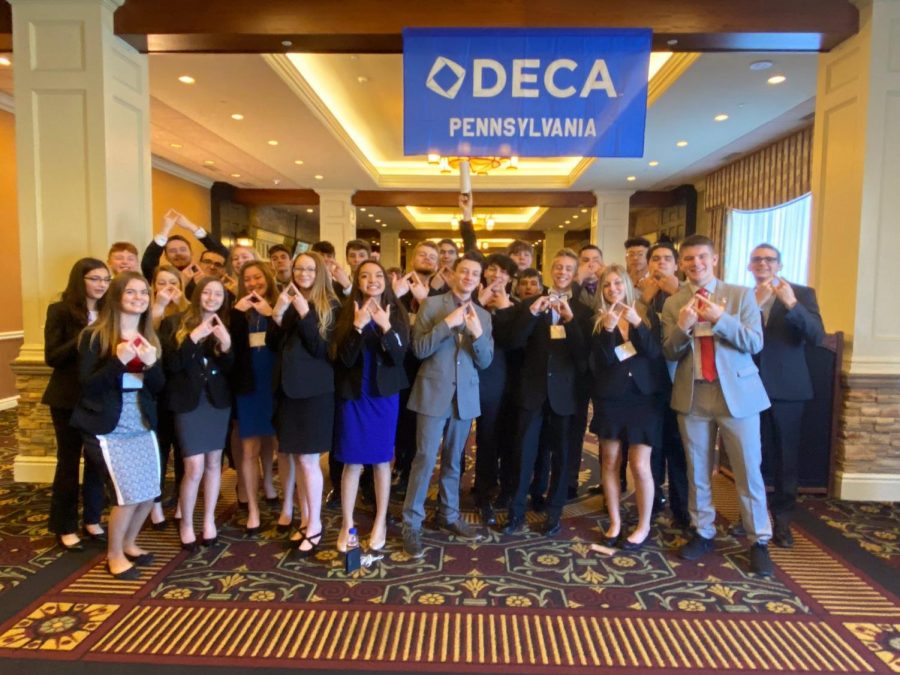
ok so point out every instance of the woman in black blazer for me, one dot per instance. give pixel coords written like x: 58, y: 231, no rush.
x: 304, y: 318
x: 627, y: 371
x: 88, y: 281
x: 120, y: 375
x: 198, y: 359
x: 369, y: 347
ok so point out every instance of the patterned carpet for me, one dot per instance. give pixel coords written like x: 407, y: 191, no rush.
x: 496, y: 606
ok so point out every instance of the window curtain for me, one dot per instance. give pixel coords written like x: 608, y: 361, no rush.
x: 786, y: 227
x: 774, y: 175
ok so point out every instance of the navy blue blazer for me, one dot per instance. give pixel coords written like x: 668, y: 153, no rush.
x: 782, y: 361
x: 302, y: 369
x: 612, y: 376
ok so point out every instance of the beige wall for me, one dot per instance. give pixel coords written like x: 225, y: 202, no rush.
x: 171, y: 192
x: 10, y: 271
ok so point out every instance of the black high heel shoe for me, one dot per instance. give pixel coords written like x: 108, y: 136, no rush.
x: 208, y: 543
x: 190, y: 546
x: 130, y: 574
x: 252, y: 532
x: 284, y: 528
x: 612, y: 541
x: 633, y: 545
x: 69, y: 548
x: 141, y: 560
x: 99, y: 537
x: 314, y: 545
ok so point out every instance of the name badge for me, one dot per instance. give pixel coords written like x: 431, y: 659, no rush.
x: 412, y: 318
x: 703, y: 329
x: 258, y: 339
x: 557, y: 332
x: 132, y: 380
x: 625, y: 351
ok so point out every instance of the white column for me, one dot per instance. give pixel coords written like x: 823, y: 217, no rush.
x: 609, y: 223
x: 856, y: 242
x: 390, y: 249
x: 554, y: 240
x: 337, y: 219
x: 82, y: 145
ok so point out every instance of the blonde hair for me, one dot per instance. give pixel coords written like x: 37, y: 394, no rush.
x: 106, y: 329
x: 172, y: 307
x: 194, y: 314
x: 617, y: 269
x: 321, y: 295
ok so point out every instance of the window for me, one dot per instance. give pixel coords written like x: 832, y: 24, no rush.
x: 786, y: 227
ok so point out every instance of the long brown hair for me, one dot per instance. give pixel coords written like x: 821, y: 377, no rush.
x: 321, y: 295
x: 271, y: 294
x: 194, y: 313
x: 345, y: 318
x: 74, y: 298
x: 106, y: 329
x: 173, y: 307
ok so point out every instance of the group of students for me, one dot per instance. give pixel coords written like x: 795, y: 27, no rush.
x: 296, y: 357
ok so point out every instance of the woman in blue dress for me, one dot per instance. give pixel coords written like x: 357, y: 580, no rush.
x: 252, y: 376
x: 369, y: 346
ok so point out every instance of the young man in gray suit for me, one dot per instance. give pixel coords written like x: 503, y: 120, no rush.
x: 452, y: 337
x: 712, y: 329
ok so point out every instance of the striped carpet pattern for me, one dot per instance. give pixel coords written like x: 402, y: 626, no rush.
x: 440, y: 637
x: 831, y: 583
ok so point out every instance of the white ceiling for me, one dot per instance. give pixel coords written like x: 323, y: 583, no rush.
x: 279, y: 103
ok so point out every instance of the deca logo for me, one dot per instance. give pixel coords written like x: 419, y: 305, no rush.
x: 524, y: 80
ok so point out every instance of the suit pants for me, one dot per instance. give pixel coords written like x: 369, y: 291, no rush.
x: 429, y: 430
x: 742, y: 443
x: 781, y: 454
x: 495, y: 449
x: 64, y: 497
x: 405, y: 443
x: 675, y: 463
x: 576, y: 438
x: 528, y: 434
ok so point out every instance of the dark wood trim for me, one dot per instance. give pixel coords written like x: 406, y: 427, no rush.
x: 361, y: 26
x: 259, y: 197
x: 525, y: 235
x: 483, y: 199
x: 835, y: 342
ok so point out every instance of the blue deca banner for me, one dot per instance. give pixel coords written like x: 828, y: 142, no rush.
x: 531, y: 93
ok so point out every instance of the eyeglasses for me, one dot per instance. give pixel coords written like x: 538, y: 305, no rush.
x: 98, y: 280
x: 763, y: 259
x: 214, y: 265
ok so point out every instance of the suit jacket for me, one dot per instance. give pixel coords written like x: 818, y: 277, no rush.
x: 242, y: 380
x: 450, y: 360
x: 390, y: 375
x: 782, y: 361
x: 612, y: 376
x: 550, y: 368
x: 192, y: 368
x: 737, y: 334
x: 302, y: 368
x: 100, y: 375
x: 61, y: 332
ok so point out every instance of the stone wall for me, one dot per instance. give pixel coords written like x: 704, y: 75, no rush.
x: 34, y: 432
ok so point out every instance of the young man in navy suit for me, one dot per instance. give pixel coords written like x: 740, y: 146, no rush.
x: 791, y: 321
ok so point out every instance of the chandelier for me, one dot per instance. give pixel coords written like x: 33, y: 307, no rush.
x: 479, y: 165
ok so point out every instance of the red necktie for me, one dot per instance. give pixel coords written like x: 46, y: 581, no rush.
x: 707, y: 351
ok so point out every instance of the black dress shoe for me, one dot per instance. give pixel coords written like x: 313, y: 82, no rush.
x: 634, y: 545
x: 161, y: 525
x: 130, y: 574
x: 211, y: 542
x: 596, y: 489
x: 696, y: 548
x: 612, y: 541
x: 538, y: 504
x: 501, y: 503
x: 333, y: 500
x: 782, y: 536
x: 141, y: 560
x: 488, y: 517
x: 273, y: 502
x: 99, y: 537
x: 70, y: 548
x: 552, y: 528
x: 760, y: 562
x: 190, y: 546
x: 283, y: 528
x: 252, y: 532
x: 515, y: 526
x: 571, y: 493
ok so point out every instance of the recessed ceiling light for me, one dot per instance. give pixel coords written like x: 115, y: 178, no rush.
x: 378, y: 220
x: 175, y: 145
x: 672, y: 42
x: 562, y: 227
x: 765, y: 64
x: 362, y: 208
x: 237, y: 116
x: 362, y: 79
x: 574, y: 215
x: 681, y: 144
x: 721, y: 117
x: 235, y: 175
x: 653, y: 162
x: 287, y: 43
x: 371, y: 215
x: 310, y: 210
x: 631, y: 179
x: 298, y: 162
x: 186, y: 79
x: 318, y: 176
x: 384, y: 224
x: 584, y: 210
x: 4, y: 61
x: 776, y: 79
x: 272, y: 142
x: 568, y: 221
x: 209, y: 162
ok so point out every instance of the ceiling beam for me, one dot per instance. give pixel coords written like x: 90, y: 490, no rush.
x: 362, y: 26
x: 260, y: 197
x: 484, y: 199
